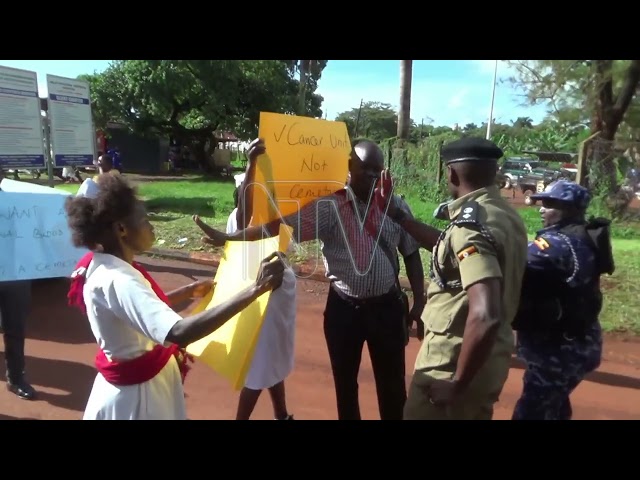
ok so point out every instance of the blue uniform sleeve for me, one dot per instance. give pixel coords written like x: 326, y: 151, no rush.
x: 549, y: 253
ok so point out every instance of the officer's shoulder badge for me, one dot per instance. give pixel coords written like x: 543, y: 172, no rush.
x: 467, y: 252
x: 541, y: 243
x: 468, y: 212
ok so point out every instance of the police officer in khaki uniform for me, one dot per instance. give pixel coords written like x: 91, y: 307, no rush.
x: 476, y: 273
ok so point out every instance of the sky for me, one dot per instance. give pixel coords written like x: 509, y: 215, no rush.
x: 444, y: 92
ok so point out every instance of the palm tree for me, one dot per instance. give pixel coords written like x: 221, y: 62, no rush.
x: 404, y: 114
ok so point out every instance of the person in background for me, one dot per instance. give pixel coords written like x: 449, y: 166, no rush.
x: 116, y: 158
x: 69, y: 174
x: 105, y: 165
x: 232, y: 221
x: 89, y: 188
x: 141, y: 338
x: 15, y: 303
x: 558, y: 329
x: 273, y: 359
x: 365, y: 302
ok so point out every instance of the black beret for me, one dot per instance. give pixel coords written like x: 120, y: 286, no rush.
x: 470, y: 149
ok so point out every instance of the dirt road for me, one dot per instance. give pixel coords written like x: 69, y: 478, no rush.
x: 60, y: 351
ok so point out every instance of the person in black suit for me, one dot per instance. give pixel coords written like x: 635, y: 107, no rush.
x: 15, y: 302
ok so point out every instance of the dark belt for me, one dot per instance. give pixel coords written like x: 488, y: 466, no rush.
x: 365, y: 302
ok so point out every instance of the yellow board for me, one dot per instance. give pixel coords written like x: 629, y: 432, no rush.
x: 306, y: 159
x: 229, y: 350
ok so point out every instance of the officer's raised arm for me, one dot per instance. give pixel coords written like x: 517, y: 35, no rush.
x: 425, y: 235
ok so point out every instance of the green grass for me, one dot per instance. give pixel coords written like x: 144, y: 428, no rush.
x: 622, y: 289
x: 172, y: 203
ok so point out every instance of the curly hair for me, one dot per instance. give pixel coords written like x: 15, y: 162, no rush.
x: 91, y: 219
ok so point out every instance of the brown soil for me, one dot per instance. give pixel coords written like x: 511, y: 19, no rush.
x: 60, y: 350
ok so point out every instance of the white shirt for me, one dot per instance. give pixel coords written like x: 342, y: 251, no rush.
x: 273, y: 359
x: 232, y: 221
x: 89, y: 188
x: 128, y: 319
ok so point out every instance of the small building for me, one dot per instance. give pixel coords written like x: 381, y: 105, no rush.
x: 139, y: 154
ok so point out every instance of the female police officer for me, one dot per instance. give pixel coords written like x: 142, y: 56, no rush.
x: 559, y: 335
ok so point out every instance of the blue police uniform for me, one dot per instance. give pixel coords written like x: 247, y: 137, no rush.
x: 561, y: 342
x: 115, y: 157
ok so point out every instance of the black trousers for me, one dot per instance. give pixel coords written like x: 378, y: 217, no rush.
x: 15, y: 302
x: 379, y: 322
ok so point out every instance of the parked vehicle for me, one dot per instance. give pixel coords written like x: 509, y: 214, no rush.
x: 537, y: 182
x: 515, y: 167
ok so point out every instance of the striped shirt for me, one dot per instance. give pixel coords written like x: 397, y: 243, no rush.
x: 354, y: 260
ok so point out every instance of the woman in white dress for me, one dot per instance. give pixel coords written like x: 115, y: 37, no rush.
x: 274, y: 355
x: 138, y: 334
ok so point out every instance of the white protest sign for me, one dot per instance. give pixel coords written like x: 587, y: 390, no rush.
x: 35, y: 240
x: 14, y: 186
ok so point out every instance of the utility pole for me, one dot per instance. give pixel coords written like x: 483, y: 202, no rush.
x: 493, y: 97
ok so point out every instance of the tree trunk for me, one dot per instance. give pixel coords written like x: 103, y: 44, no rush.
x: 607, y: 116
x: 302, y: 94
x: 200, y: 152
x: 404, y: 115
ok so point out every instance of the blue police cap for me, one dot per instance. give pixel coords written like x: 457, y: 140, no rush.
x: 567, y: 192
x: 470, y: 149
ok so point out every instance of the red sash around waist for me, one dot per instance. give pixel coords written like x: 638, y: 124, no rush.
x: 140, y: 369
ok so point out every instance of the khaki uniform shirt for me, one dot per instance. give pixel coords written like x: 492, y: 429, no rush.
x: 466, y: 256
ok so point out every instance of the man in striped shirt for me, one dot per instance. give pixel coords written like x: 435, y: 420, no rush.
x: 360, y: 253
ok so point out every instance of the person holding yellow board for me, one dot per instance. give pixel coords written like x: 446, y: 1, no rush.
x: 273, y: 359
x: 139, y: 377
x: 365, y: 302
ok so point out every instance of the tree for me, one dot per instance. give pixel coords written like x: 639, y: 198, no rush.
x: 596, y: 92
x: 378, y: 121
x: 191, y: 99
x: 523, y: 122
x: 309, y: 72
x: 404, y: 116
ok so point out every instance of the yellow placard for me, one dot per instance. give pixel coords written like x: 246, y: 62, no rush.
x: 229, y: 350
x: 306, y: 159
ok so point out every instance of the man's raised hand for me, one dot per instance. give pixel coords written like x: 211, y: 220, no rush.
x: 213, y: 236
x: 255, y: 149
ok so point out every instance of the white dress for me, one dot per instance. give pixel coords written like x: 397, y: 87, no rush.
x: 274, y: 356
x: 127, y: 319
x: 89, y: 188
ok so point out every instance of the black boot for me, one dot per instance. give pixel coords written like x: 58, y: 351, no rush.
x: 22, y: 389
x: 14, y: 356
x: 15, y: 302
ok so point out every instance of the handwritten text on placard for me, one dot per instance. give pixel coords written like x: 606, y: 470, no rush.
x: 35, y: 240
x: 306, y: 159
